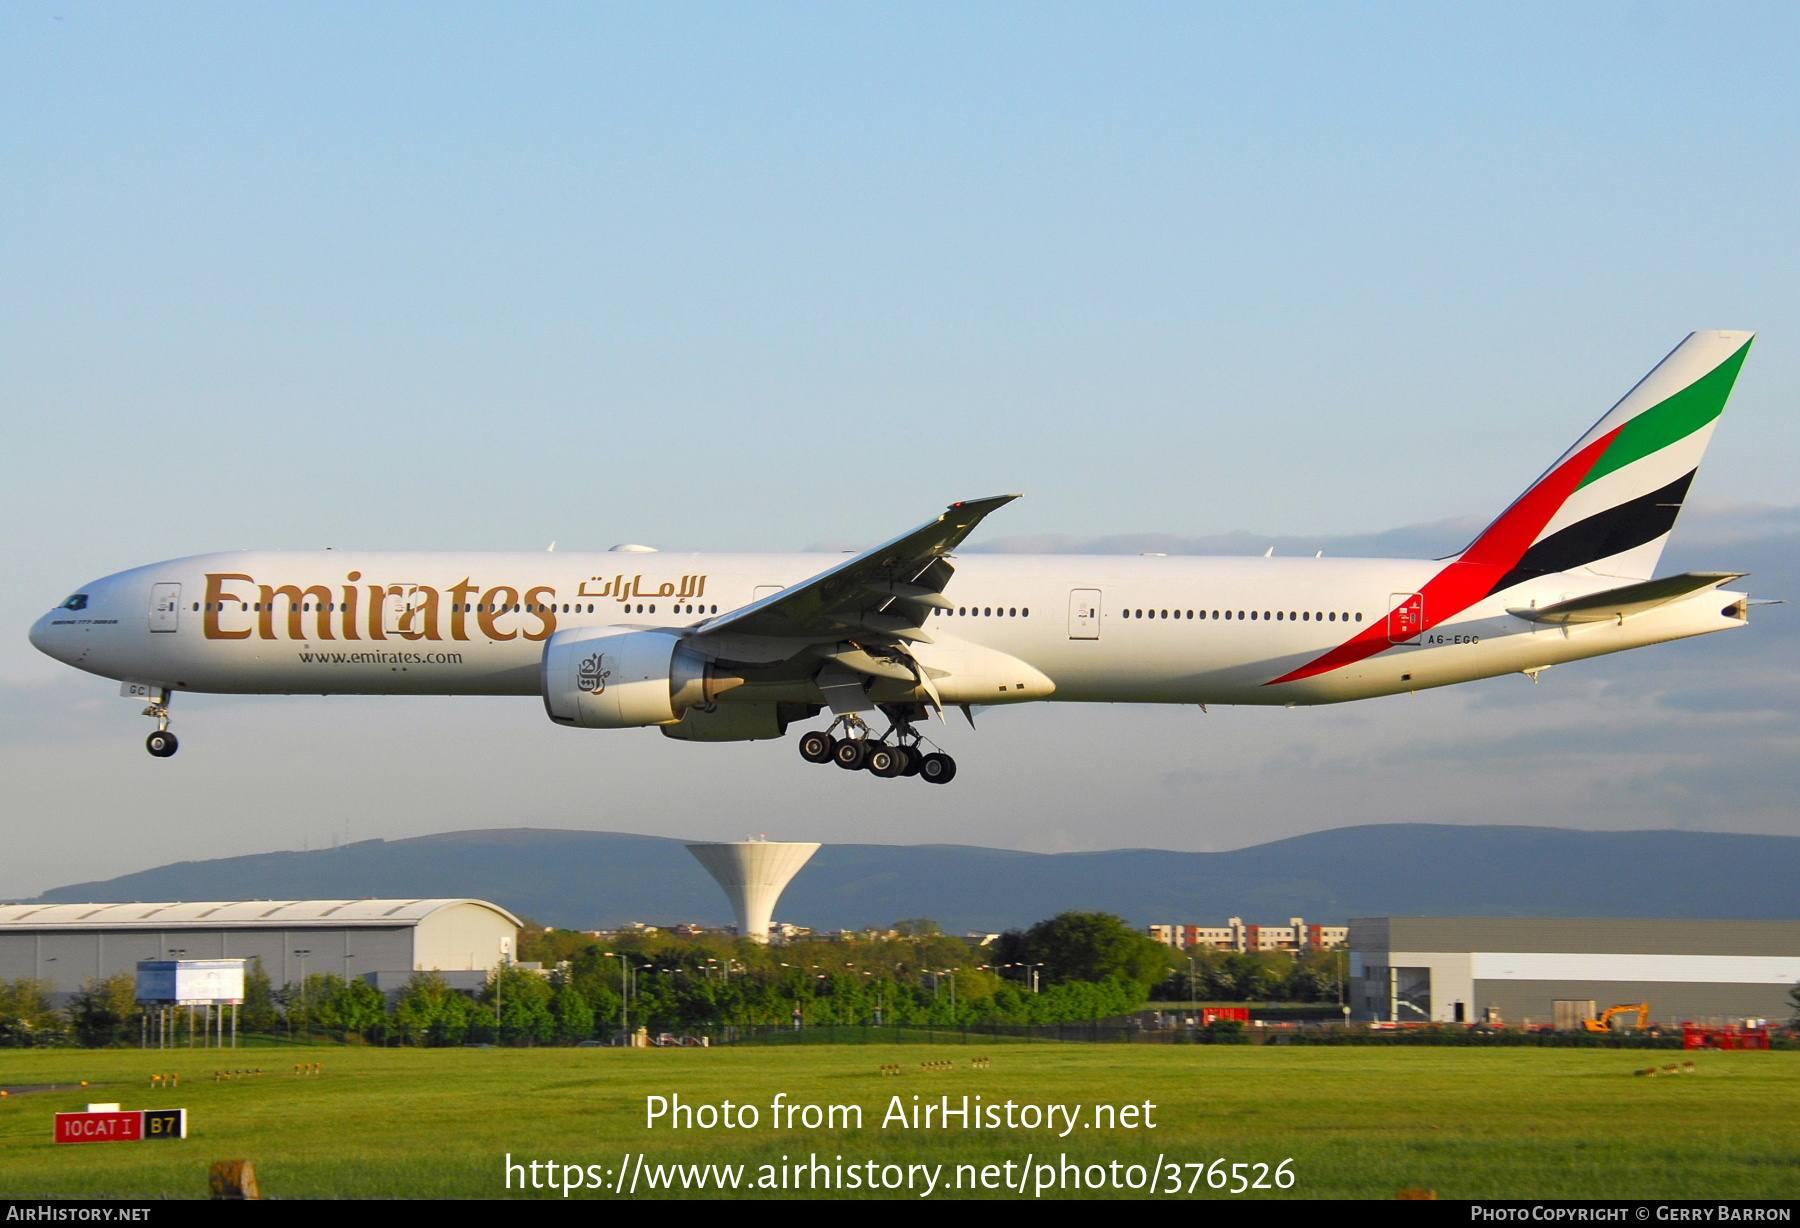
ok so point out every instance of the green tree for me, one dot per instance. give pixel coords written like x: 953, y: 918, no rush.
x: 104, y: 1011
x: 1095, y: 946
x: 522, y: 999
x: 573, y: 1013
x: 26, y: 1016
x: 259, y: 1012
x: 429, y: 1012
x: 916, y: 927
x: 361, y: 1010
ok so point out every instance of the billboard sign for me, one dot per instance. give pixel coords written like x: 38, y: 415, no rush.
x: 114, y: 1127
x: 190, y: 982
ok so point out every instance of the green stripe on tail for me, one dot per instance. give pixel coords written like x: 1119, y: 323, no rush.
x: 1672, y: 420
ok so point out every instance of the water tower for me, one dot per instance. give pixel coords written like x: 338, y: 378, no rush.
x: 753, y: 873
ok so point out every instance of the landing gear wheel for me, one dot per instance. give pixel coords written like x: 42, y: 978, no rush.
x: 914, y: 757
x: 816, y: 747
x: 886, y: 761
x: 938, y: 768
x: 851, y: 754
x: 162, y: 744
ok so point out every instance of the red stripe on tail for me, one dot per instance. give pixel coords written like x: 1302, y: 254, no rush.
x: 1472, y: 577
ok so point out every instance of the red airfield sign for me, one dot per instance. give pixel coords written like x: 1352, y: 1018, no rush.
x: 133, y: 1127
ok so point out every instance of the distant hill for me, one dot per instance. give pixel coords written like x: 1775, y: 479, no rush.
x: 589, y: 880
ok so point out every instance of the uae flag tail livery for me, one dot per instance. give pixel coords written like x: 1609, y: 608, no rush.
x: 1605, y: 507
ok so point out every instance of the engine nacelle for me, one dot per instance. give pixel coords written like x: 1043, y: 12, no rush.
x: 730, y: 722
x: 618, y: 678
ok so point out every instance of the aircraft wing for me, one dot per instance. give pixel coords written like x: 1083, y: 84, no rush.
x: 1622, y: 603
x: 888, y: 591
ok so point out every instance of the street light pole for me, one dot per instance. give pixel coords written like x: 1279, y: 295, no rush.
x: 1343, y: 986
x: 306, y: 1022
x: 178, y: 952
x: 624, y: 994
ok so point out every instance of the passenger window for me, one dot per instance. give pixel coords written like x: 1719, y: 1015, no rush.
x: 1359, y: 617
x: 1011, y: 612
x: 1024, y: 611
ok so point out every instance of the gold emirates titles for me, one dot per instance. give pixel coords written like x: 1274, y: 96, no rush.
x: 361, y: 611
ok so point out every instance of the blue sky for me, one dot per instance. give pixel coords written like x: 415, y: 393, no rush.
x: 766, y: 277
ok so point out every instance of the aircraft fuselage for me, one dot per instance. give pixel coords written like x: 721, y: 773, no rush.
x: 1101, y: 628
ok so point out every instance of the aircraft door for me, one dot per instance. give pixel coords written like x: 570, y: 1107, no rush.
x: 1406, y: 617
x: 1084, y: 614
x: 165, y: 606
x: 397, y: 609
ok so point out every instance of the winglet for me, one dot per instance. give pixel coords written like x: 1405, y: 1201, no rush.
x: 965, y: 514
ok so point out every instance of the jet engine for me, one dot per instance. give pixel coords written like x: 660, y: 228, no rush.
x: 618, y: 678
x: 739, y: 722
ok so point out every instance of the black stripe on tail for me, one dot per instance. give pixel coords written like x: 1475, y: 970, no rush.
x: 1602, y: 535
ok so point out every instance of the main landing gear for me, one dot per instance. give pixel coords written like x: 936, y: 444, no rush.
x: 162, y: 743
x: 898, y: 752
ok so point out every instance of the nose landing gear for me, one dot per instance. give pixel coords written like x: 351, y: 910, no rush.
x: 898, y: 752
x: 162, y: 743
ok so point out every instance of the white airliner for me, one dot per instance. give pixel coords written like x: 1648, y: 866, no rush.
x: 736, y: 647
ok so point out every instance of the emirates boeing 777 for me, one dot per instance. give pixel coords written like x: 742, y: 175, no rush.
x: 738, y: 647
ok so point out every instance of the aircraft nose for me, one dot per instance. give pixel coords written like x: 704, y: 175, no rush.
x: 41, y: 639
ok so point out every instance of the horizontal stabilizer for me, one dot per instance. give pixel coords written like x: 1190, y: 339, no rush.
x: 1622, y: 603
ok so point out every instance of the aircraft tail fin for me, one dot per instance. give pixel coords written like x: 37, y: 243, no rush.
x: 1609, y: 502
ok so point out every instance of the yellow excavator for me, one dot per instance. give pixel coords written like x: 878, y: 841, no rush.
x: 1604, y: 1023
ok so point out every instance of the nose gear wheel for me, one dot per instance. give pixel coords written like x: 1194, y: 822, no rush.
x: 162, y: 743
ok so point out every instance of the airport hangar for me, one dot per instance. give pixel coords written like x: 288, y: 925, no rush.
x: 382, y: 941
x: 1455, y: 969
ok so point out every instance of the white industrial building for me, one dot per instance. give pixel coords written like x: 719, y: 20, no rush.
x: 1468, y: 969
x: 382, y: 941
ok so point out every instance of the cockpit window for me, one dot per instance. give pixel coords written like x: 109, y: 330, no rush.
x: 77, y: 602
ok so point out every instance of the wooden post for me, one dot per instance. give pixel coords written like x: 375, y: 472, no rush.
x: 233, y: 1180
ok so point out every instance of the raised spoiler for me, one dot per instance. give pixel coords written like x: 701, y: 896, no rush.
x: 1621, y: 603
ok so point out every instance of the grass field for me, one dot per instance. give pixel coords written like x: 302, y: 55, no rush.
x: 1358, y: 1123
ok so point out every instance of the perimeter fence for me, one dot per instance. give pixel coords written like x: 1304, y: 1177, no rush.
x: 1216, y: 1034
